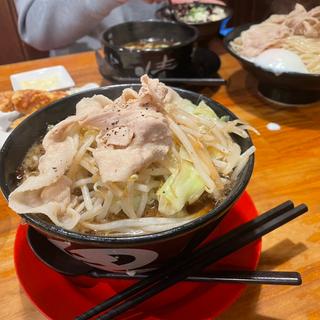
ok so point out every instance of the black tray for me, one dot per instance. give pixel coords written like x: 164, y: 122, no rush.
x: 202, y: 71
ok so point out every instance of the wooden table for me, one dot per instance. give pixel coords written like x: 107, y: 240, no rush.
x: 287, y: 167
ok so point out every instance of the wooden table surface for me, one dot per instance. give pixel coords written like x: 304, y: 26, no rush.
x: 287, y: 167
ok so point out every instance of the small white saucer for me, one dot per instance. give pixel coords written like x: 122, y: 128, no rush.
x: 50, y: 79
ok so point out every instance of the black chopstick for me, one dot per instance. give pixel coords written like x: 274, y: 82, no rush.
x: 143, y: 284
x: 227, y: 276
x: 253, y: 277
x: 196, y: 265
x: 191, y: 81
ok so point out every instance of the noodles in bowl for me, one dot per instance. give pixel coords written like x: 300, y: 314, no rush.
x: 143, y: 163
x: 297, y: 33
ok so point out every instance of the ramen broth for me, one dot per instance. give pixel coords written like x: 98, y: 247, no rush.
x: 150, y: 44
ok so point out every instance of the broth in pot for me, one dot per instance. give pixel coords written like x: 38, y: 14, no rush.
x: 150, y: 44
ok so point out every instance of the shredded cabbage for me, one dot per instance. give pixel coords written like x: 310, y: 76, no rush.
x: 183, y: 187
x: 202, y: 110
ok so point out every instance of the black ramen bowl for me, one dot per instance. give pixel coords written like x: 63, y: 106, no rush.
x: 141, y: 253
x: 168, y: 61
x: 207, y: 30
x: 287, y: 88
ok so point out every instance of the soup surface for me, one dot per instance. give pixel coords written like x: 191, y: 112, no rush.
x: 150, y: 44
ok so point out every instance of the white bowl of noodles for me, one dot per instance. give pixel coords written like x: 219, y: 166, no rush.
x: 166, y: 186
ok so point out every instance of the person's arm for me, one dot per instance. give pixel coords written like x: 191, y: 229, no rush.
x: 51, y: 24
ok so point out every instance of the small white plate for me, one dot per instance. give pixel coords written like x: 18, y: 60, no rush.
x: 51, y: 78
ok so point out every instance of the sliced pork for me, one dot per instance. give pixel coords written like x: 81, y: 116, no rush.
x: 131, y: 134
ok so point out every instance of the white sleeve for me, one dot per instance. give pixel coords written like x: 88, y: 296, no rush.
x: 52, y: 24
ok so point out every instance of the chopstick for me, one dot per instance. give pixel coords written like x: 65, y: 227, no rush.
x: 227, y: 276
x: 163, y: 272
x: 252, y: 277
x: 202, y: 257
x: 191, y: 81
x: 222, y: 251
x: 143, y: 284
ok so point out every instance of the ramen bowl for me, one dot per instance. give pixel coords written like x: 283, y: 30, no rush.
x: 207, y: 30
x: 287, y: 88
x: 140, y: 253
x: 156, y: 48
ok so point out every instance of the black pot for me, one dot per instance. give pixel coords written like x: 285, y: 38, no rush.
x: 165, y: 62
x: 290, y: 88
x: 136, y: 252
